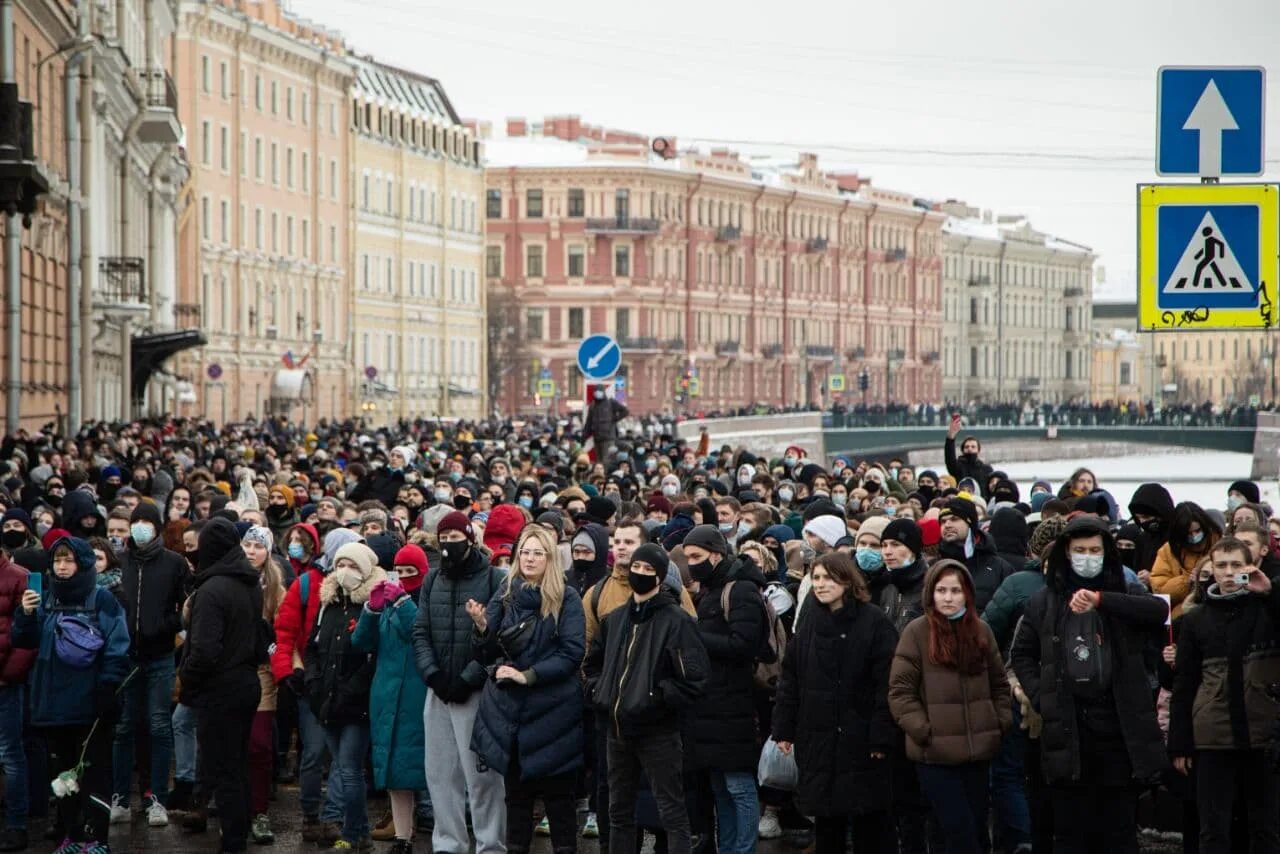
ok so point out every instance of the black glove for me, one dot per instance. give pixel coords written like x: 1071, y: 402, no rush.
x: 296, y: 682
x: 459, y: 690
x: 106, y: 700
x: 439, y: 683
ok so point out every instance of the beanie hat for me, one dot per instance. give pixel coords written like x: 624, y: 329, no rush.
x: 1247, y: 488
x: 359, y: 554
x: 907, y: 532
x: 261, y: 536
x: 781, y: 533
x: 600, y: 510
x: 1039, y: 500
x: 281, y: 489
x: 930, y: 532
x: 1045, y: 533
x: 217, y: 539
x: 829, y: 529
x: 673, y: 533
x: 875, y: 526
x: 584, y: 539
x: 707, y: 537
x: 147, y: 512
x: 457, y: 521
x: 407, y: 452
x: 504, y: 526
x: 20, y: 515
x: 1006, y: 490
x: 553, y: 520
x: 653, y: 555
x: 963, y: 508
x: 384, y: 545
x: 412, y: 555
x: 658, y: 502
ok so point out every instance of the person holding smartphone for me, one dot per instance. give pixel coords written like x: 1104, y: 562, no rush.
x: 967, y: 464
x: 1222, y: 716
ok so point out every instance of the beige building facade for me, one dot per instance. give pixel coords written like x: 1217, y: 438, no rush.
x: 265, y: 240
x: 417, y: 293
x: 1017, y: 311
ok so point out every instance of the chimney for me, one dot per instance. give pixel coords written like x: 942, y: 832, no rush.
x: 517, y: 127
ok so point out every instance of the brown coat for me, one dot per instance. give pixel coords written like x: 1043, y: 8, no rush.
x: 949, y: 719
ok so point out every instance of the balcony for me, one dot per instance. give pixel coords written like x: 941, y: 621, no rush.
x: 727, y: 348
x: 979, y: 281
x: 22, y: 178
x: 931, y: 357
x: 186, y: 315
x: 1029, y: 385
x: 898, y: 254
x: 160, y: 117
x: 638, y: 344
x: 673, y: 344
x: 856, y: 353
x: 820, y: 351
x: 622, y: 225
x: 729, y: 234
x: 1073, y: 292
x: 122, y: 286
x: 816, y: 244
x: 771, y: 351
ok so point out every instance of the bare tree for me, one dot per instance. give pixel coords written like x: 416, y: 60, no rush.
x: 509, y: 351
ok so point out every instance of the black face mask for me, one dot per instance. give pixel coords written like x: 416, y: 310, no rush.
x: 642, y: 584
x: 1154, y: 527
x: 454, y: 555
x: 701, y: 572
x: 13, y: 540
x: 461, y: 502
x: 141, y: 485
x: 108, y: 491
x: 1126, y: 556
x: 969, y: 456
x: 191, y: 556
x: 278, y: 511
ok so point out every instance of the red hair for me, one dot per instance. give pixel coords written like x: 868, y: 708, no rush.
x: 961, y: 643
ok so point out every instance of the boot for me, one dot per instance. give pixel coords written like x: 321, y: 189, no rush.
x: 385, y: 829
x: 179, y: 797
x: 196, y: 820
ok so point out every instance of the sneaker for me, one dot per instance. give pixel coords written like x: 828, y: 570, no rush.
x: 363, y: 846
x: 591, y: 827
x: 543, y: 828
x: 770, y: 828
x: 328, y: 833
x: 384, y: 830
x: 120, y: 812
x: 157, y: 815
x: 196, y: 821
x: 401, y: 846
x: 260, y: 831
x: 584, y: 805
x: 14, y: 839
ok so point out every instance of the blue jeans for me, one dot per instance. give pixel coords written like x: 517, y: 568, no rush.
x: 150, y: 694
x: 184, y: 744
x: 737, y: 811
x: 348, y: 745
x: 958, y: 795
x: 1008, y: 787
x: 311, y: 769
x: 13, y: 756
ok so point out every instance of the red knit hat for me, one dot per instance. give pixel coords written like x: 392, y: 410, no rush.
x: 412, y: 555
x: 504, y: 526
x: 457, y: 521
x: 930, y: 532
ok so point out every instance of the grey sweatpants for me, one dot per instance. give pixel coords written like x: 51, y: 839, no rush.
x: 450, y: 762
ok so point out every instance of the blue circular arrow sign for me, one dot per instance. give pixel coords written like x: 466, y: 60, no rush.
x: 599, y: 357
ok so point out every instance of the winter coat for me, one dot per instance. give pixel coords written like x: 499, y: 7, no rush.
x: 540, y: 723
x: 601, y: 423
x: 1006, y: 606
x: 396, y: 698
x: 950, y: 717
x: 224, y: 646
x: 1150, y: 499
x: 152, y: 580
x: 1130, y: 617
x: 987, y: 569
x: 897, y: 593
x: 612, y: 593
x: 646, y: 666
x: 960, y: 468
x: 724, y: 720
x: 833, y: 705
x: 295, y: 623
x: 382, y: 485
x: 442, y: 632
x: 297, y: 567
x: 1171, y: 575
x: 339, y: 676
x: 1228, y: 657
x: 62, y: 695
x: 15, y: 663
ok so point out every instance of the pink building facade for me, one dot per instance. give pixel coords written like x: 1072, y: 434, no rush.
x: 726, y: 283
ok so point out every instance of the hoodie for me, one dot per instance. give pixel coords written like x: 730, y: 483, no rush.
x: 1008, y: 531
x: 334, y: 540
x: 80, y: 504
x: 581, y: 578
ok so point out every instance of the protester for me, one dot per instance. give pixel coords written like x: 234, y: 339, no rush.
x: 1191, y: 535
x: 257, y: 543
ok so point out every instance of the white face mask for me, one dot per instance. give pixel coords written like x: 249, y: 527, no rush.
x: 348, y: 579
x: 1087, y: 566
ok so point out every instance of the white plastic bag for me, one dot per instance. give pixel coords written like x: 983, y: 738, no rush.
x: 777, y: 770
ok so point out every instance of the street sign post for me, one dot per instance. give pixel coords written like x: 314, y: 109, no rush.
x: 1208, y: 256
x: 214, y: 371
x: 835, y: 383
x: 1210, y: 121
x: 546, y: 388
x: 599, y: 357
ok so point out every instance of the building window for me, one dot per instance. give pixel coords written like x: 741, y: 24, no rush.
x: 206, y: 143
x: 577, y: 203
x: 224, y: 148
x: 1071, y: 374
x: 493, y: 204
x: 577, y: 261
x: 204, y: 74
x: 533, y: 324
x: 533, y: 204
x: 257, y: 158
x: 306, y: 109
x: 288, y: 103
x: 533, y: 262
x: 257, y: 91
x: 275, y: 164
x: 622, y: 323
x: 1126, y: 371
x: 306, y: 172
x: 622, y: 205
x: 576, y: 325
x: 224, y: 81
x: 493, y: 261
x: 973, y: 361
x: 225, y: 230
x: 275, y: 97
x: 205, y: 217
x: 288, y: 167
x: 622, y: 261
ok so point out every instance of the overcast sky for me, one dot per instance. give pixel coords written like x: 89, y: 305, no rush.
x: 1041, y: 108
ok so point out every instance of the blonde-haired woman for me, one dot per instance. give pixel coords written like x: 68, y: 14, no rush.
x: 257, y: 543
x: 529, y: 726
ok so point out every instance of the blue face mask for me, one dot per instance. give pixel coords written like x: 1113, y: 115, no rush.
x: 526, y: 502
x: 958, y: 614
x: 455, y: 476
x: 1195, y: 539
x: 142, y: 533
x: 869, y: 559
x: 296, y: 551
x: 891, y: 511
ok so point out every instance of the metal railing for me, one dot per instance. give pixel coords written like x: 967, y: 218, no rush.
x: 820, y: 351
x: 727, y: 348
x: 771, y: 351
x: 629, y: 224
x: 727, y: 233
x: 158, y: 88
x: 898, y: 254
x: 122, y: 279
x: 816, y: 244
x: 979, y: 281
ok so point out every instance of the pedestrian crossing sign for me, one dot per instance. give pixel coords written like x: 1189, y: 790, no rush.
x: 1207, y: 256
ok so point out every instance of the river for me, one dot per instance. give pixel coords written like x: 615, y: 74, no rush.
x: 1199, y: 476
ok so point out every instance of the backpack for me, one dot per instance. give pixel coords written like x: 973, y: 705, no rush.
x: 769, y: 656
x: 77, y: 639
x: 1088, y: 655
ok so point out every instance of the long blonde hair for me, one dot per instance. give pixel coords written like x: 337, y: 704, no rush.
x: 552, y: 583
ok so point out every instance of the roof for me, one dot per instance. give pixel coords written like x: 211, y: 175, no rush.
x: 398, y: 87
x: 996, y: 232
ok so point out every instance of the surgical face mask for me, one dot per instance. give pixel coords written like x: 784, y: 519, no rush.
x: 442, y: 496
x: 1234, y: 501
x: 744, y: 480
x: 958, y: 615
x: 455, y: 476
x: 893, y: 472
x: 869, y: 559
x: 670, y: 490
x: 296, y: 551
x: 1195, y: 539
x: 1086, y: 566
x: 500, y: 479
x: 650, y: 465
x: 599, y: 395
x: 890, y: 510
x: 785, y: 495
x: 525, y: 501
x: 142, y: 533
x: 641, y: 583
x: 117, y: 544
x: 43, y: 528
x: 316, y: 496
x: 728, y: 527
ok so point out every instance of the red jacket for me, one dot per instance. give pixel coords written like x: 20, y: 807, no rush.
x: 15, y: 664
x: 293, y: 627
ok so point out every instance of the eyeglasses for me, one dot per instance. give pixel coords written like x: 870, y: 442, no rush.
x: 536, y: 554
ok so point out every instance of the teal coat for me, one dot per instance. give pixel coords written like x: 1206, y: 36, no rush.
x: 397, y: 697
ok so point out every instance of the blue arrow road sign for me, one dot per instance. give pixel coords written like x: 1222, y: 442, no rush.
x: 599, y: 357
x: 1210, y: 121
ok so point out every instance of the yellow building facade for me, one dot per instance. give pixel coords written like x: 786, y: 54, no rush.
x: 418, y: 296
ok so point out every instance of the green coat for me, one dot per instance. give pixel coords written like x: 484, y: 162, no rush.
x: 396, y: 698
x: 1010, y: 598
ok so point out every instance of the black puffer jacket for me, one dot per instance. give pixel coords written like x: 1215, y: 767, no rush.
x: 646, y: 665
x: 897, y: 593
x: 339, y: 676
x: 724, y: 725
x: 987, y: 568
x: 442, y: 631
x: 833, y: 704
x: 1038, y: 655
x: 961, y: 467
x: 152, y: 580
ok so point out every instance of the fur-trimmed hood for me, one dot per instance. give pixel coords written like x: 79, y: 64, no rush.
x: 330, y: 590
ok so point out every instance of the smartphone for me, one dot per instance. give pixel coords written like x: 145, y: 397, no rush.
x: 1242, y: 579
x: 35, y: 581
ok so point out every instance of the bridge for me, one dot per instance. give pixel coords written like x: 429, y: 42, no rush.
x: 770, y: 435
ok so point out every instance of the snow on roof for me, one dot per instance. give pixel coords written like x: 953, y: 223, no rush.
x: 978, y: 229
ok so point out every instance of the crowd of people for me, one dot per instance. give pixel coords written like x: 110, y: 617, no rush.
x: 517, y: 631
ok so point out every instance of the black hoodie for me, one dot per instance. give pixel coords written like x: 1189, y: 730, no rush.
x: 223, y: 648
x: 79, y: 504
x: 1150, y: 499
x: 584, y: 578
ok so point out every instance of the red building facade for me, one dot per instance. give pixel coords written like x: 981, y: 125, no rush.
x: 726, y: 281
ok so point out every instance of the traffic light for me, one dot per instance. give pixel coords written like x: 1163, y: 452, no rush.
x: 864, y: 381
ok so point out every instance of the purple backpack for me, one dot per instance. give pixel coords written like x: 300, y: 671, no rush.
x: 77, y: 641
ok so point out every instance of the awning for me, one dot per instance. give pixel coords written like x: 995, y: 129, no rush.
x: 150, y: 351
